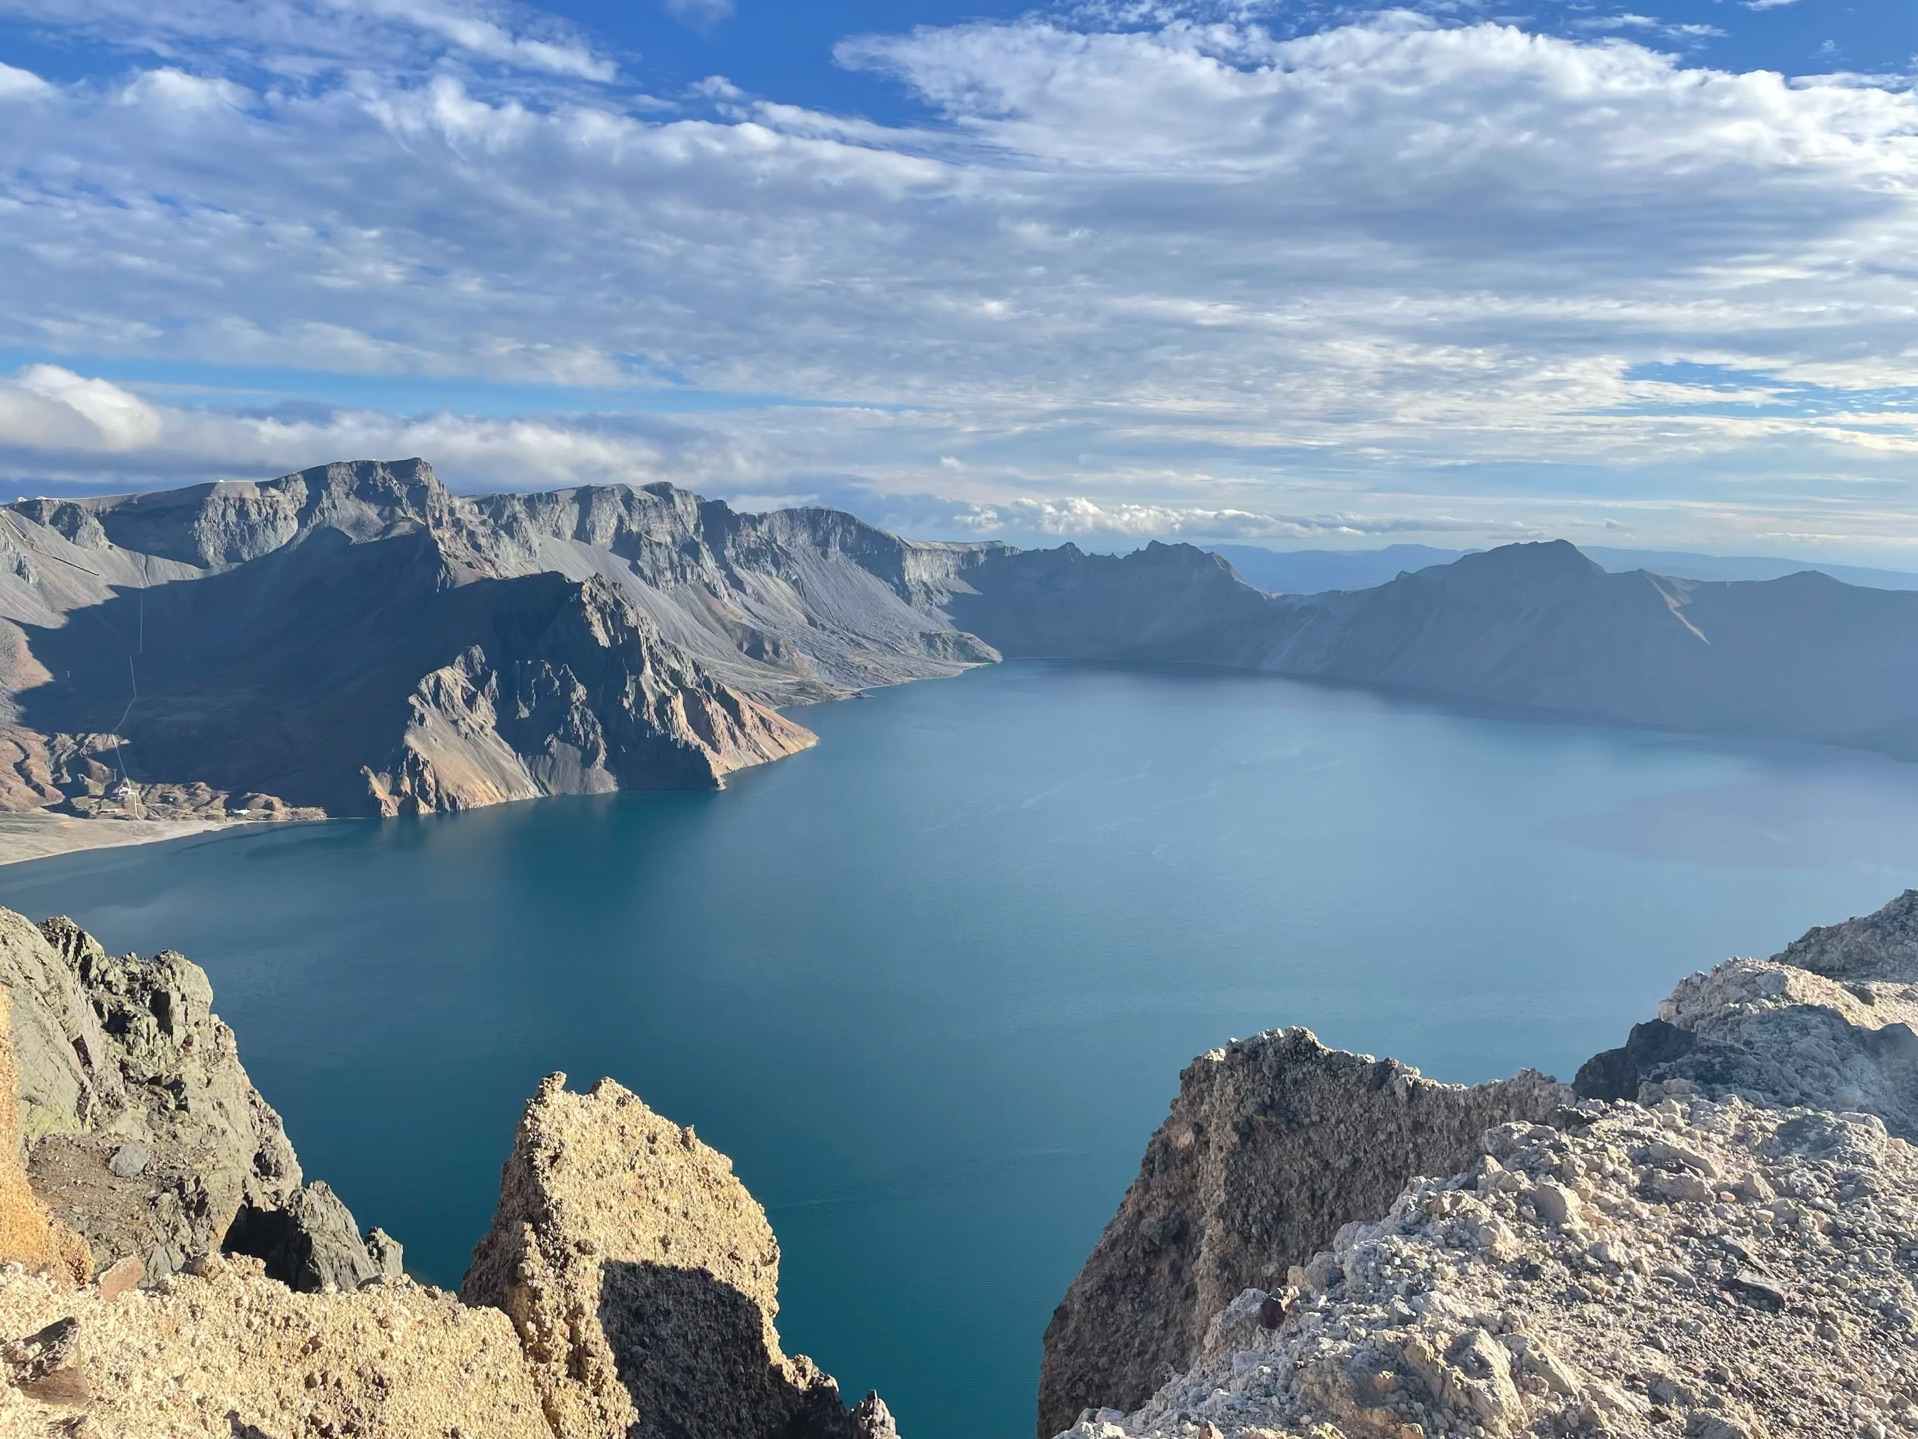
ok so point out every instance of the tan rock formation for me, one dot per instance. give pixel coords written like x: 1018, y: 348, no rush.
x: 226, y: 1350
x: 229, y: 1352
x: 1272, y: 1144
x: 642, y: 1279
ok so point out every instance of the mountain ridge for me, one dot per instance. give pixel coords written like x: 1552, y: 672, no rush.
x: 357, y: 639
x: 1308, y: 572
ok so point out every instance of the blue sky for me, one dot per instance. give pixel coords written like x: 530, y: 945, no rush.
x: 1108, y: 269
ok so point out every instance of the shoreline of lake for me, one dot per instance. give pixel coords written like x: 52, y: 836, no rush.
x: 27, y: 835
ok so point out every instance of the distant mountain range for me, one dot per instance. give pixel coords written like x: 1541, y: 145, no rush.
x: 1538, y: 626
x: 1309, y: 572
x: 354, y: 639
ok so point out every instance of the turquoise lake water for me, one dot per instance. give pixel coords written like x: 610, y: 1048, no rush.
x: 931, y: 984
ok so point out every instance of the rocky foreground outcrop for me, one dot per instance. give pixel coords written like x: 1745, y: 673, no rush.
x: 164, y: 1271
x: 224, y: 1351
x: 1712, y: 1270
x: 142, y: 1131
x: 1718, y: 1239
x: 1715, y: 1236
x: 643, y: 1280
x: 1272, y: 1142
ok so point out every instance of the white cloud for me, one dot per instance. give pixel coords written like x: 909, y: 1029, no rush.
x: 108, y: 418
x: 700, y: 14
x: 167, y: 90
x: 303, y: 37
x: 59, y: 426
x: 17, y: 84
x: 1080, y: 517
x: 1172, y: 267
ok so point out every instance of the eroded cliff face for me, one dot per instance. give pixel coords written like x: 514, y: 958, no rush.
x: 592, y: 701
x: 140, y: 1128
x: 1271, y: 1145
x: 643, y: 1280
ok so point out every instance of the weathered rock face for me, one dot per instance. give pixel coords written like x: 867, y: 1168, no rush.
x: 29, y: 1235
x: 1272, y: 1144
x: 142, y: 1130
x: 593, y: 700
x: 642, y: 1279
x: 1882, y: 945
x: 354, y: 639
x: 1705, y: 1269
x: 1688, y: 1262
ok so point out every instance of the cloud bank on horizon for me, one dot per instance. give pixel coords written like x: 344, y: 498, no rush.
x: 1119, y: 269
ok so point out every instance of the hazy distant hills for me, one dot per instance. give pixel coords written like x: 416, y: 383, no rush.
x: 1307, y: 572
x: 355, y: 639
x: 1535, y: 625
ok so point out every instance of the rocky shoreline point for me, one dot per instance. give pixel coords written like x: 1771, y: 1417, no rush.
x: 1712, y: 1233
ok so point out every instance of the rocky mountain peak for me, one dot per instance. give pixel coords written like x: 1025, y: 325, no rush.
x: 1529, y: 561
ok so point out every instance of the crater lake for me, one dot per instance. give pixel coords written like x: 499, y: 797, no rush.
x: 930, y: 984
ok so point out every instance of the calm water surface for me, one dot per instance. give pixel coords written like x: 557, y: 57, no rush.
x: 931, y: 983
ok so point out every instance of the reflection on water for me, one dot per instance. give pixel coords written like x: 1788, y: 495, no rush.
x: 931, y: 983
x: 1793, y: 808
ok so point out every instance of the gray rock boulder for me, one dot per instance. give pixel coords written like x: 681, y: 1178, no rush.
x: 1831, y: 1022
x: 311, y: 1243
x: 139, y: 1126
x: 1776, y: 1035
